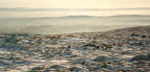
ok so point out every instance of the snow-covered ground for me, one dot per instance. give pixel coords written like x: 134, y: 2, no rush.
x: 118, y: 50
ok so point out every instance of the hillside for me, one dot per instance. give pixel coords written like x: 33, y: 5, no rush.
x: 125, y: 50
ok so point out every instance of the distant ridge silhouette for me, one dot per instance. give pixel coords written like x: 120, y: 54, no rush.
x: 71, y: 9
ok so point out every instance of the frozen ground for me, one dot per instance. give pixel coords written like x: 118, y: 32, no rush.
x: 121, y: 50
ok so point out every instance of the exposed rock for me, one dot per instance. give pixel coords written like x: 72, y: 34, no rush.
x: 141, y: 57
x: 104, y: 59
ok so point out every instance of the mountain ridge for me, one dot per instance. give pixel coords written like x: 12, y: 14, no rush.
x: 71, y: 9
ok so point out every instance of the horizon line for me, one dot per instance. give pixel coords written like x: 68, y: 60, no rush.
x: 75, y: 16
x: 70, y: 9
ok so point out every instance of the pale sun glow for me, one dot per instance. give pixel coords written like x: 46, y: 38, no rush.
x: 75, y: 3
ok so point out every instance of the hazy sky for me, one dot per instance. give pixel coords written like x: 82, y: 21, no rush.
x: 75, y: 3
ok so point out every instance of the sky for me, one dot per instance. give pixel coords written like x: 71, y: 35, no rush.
x: 101, y: 4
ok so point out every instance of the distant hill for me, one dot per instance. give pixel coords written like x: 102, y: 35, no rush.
x: 72, y: 9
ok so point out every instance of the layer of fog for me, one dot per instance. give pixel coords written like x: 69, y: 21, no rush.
x: 54, y: 25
